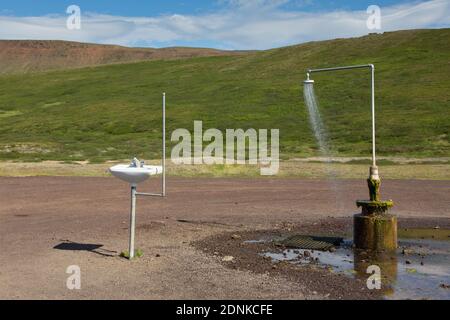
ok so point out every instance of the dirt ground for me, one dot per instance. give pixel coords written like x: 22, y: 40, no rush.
x: 305, y: 168
x: 39, y: 213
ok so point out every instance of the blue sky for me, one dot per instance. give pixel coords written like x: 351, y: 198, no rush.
x: 223, y: 24
x: 163, y: 7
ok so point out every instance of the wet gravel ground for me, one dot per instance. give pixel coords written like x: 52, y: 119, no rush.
x: 248, y: 249
x: 184, y: 237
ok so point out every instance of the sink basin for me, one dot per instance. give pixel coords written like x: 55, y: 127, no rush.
x: 134, y: 175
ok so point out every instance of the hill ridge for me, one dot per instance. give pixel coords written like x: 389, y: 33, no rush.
x: 22, y: 56
x: 114, y: 111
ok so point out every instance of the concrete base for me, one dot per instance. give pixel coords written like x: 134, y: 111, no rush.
x: 375, y: 232
x: 386, y: 260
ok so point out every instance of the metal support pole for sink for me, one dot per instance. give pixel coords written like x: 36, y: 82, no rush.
x: 132, y: 220
x: 134, y: 192
x: 163, y: 176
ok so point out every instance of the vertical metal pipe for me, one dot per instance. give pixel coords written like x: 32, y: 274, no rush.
x: 372, y: 67
x: 164, y: 146
x: 374, y: 161
x: 132, y: 220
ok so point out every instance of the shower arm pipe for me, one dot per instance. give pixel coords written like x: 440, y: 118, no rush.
x: 163, y: 177
x: 372, y: 69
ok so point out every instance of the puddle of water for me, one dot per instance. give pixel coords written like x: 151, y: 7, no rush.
x: 416, y: 271
x: 416, y: 233
x: 255, y: 241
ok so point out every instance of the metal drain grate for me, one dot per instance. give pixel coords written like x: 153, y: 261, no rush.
x: 311, y: 242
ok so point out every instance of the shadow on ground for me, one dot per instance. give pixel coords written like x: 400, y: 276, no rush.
x: 95, y: 248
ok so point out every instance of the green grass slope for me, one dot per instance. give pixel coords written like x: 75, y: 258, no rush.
x: 113, y: 112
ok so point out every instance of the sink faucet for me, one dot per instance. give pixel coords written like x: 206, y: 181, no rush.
x: 135, y: 163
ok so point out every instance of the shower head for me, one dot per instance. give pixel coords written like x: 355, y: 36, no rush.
x: 308, y: 80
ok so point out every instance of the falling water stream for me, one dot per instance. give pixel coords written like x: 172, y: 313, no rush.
x: 320, y: 133
x: 317, y: 125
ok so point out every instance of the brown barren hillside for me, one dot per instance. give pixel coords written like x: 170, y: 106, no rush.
x: 19, y: 56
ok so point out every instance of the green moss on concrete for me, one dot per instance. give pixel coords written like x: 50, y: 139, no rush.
x: 374, y: 189
x: 374, y: 207
x: 375, y: 232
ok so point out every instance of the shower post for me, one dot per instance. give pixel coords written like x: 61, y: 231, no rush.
x: 132, y: 221
x: 374, y: 162
x: 374, y: 228
x: 373, y: 169
x: 164, y: 145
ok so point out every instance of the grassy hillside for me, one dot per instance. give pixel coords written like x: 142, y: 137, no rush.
x: 113, y: 112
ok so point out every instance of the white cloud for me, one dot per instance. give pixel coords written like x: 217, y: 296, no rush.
x: 249, y: 24
x: 256, y: 4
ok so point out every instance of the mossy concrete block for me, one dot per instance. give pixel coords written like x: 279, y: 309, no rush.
x: 374, y: 207
x: 375, y: 232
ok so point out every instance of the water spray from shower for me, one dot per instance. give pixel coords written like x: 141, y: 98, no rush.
x: 309, y: 85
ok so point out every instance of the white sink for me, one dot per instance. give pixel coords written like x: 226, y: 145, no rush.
x: 134, y: 175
